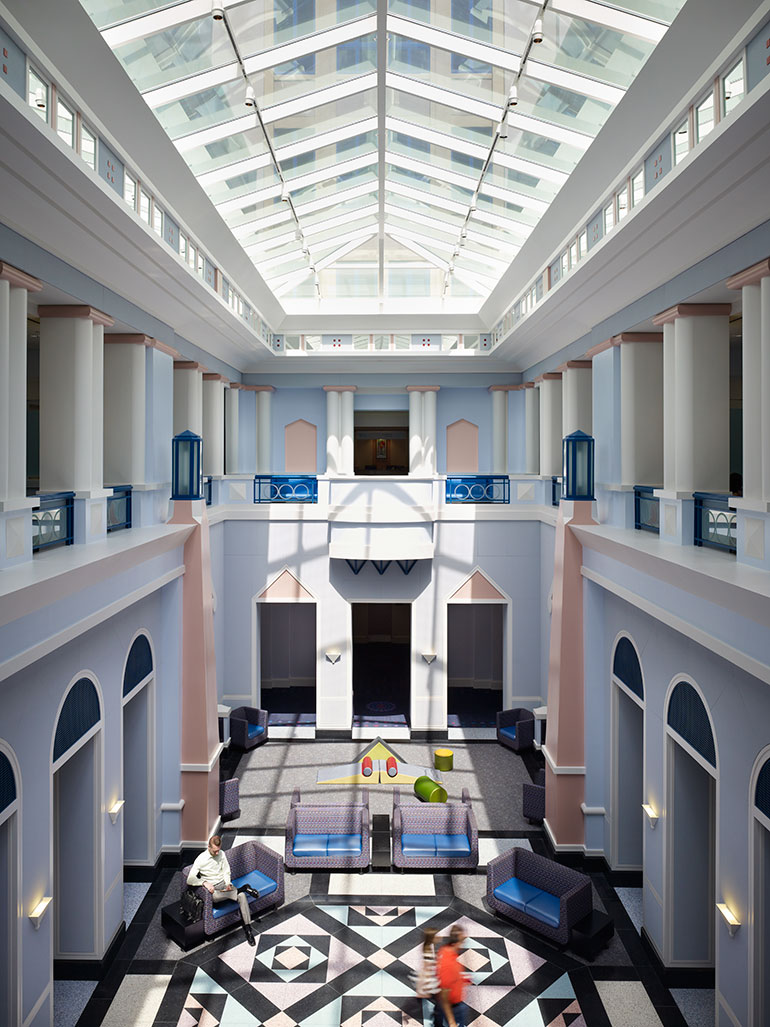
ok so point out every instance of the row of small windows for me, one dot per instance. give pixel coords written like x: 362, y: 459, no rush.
x: 725, y: 93
x: 43, y: 97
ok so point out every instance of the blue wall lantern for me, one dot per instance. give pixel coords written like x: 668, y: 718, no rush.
x: 578, y: 466
x: 186, y: 466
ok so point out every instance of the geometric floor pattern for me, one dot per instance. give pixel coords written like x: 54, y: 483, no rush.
x: 319, y: 964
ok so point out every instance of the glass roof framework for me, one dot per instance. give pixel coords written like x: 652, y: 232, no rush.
x: 354, y: 162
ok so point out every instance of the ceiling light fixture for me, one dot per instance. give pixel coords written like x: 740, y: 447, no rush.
x: 285, y: 193
x: 251, y: 97
x: 537, y: 31
x: 513, y: 96
x: 217, y: 11
x: 502, y: 128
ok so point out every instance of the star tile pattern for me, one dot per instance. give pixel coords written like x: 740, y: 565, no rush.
x: 325, y: 965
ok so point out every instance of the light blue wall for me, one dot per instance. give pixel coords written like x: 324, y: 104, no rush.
x: 605, y: 380
x: 384, y: 401
x: 472, y: 404
x: 159, y: 416
x: 517, y: 439
x: 289, y: 405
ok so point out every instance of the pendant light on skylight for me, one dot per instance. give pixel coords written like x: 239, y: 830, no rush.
x: 513, y: 96
x: 285, y: 193
x: 251, y: 97
x: 217, y: 11
x: 502, y: 128
x: 537, y: 30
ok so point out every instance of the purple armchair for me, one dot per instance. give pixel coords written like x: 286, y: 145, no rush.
x: 516, y: 729
x: 538, y: 893
x: 328, y: 836
x: 436, y: 835
x: 251, y: 863
x: 533, y: 798
x: 248, y: 727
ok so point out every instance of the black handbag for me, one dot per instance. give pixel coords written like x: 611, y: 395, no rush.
x: 192, y: 905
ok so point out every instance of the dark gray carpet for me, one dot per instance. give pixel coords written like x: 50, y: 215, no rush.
x: 492, y: 774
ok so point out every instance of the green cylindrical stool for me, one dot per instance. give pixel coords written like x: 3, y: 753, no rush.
x: 429, y: 790
x: 443, y: 759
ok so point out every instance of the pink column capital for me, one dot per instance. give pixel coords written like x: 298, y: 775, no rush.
x: 600, y: 347
x: 568, y: 365
x: 549, y: 376
x: 692, y: 310
x: 423, y: 388
x: 188, y: 365
x: 129, y: 339
x: 211, y: 376
x: 750, y: 275
x: 625, y: 337
x: 82, y: 312
x: 340, y: 388
x: 19, y: 279
x: 503, y: 388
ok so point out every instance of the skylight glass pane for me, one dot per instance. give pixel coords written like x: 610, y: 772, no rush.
x: 590, y: 49
x: 439, y: 118
x: 561, y: 106
x: 242, y: 185
x: 347, y: 208
x: 203, y: 109
x: 222, y: 152
x: 329, y: 156
x: 502, y: 25
x: 658, y: 10
x: 331, y: 186
x: 107, y: 12
x: 436, y: 67
x: 317, y: 71
x: 430, y: 186
x: 539, y: 149
x: 176, y: 53
x: 326, y: 118
x: 260, y: 26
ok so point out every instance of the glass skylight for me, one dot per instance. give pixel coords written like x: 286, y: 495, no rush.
x: 372, y: 169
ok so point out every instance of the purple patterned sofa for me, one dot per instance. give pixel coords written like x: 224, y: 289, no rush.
x: 516, y: 728
x: 250, y: 863
x: 538, y: 893
x: 436, y: 835
x: 328, y: 836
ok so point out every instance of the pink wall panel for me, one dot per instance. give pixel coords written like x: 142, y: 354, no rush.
x: 462, y: 448
x: 300, y: 448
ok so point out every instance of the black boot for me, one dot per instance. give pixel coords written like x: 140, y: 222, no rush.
x: 249, y: 934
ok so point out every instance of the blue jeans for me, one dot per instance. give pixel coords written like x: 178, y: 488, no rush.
x: 460, y: 1014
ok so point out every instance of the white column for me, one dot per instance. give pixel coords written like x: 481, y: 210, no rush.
x: 550, y: 424
x: 669, y: 408
x: 576, y: 385
x: 264, y: 437
x: 346, y: 432
x: 702, y: 369
x: 765, y: 387
x: 188, y: 397
x: 333, y: 431
x: 429, y: 431
x: 532, y: 427
x: 125, y: 403
x: 70, y: 433
x: 752, y: 391
x: 232, y: 410
x: 499, y: 430
x: 15, y: 286
x: 415, y: 432
x: 641, y: 409
x: 214, y: 424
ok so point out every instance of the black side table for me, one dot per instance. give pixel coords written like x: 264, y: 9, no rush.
x: 176, y: 926
x: 380, y: 841
x: 589, y: 936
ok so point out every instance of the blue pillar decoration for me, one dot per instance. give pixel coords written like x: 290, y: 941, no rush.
x: 578, y: 466
x: 186, y: 466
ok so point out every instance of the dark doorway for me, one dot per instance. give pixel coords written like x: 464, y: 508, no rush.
x: 475, y: 633
x: 381, y: 442
x: 287, y: 662
x: 382, y: 634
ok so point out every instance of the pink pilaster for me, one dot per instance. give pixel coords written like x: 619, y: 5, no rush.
x: 565, y: 749
x: 200, y: 741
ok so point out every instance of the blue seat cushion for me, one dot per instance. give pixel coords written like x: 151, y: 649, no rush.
x: 310, y: 844
x: 452, y: 845
x: 418, y: 844
x: 260, y: 882
x: 516, y: 893
x: 509, y: 732
x: 344, y: 845
x: 545, y: 907
x: 223, y: 908
x: 255, y: 729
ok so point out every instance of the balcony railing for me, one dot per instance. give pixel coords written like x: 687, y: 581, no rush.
x: 119, y: 508
x: 52, y: 524
x: 478, y: 488
x: 714, y: 522
x: 646, y: 509
x: 207, y: 490
x: 555, y: 491
x: 285, y: 488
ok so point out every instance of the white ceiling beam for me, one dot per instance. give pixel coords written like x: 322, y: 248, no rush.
x: 247, y: 199
x: 453, y: 43
x: 580, y: 84
x: 213, y: 134
x: 177, y: 90
x: 341, y: 219
x: 611, y: 18
x: 319, y: 97
x: 423, y: 196
x: 293, y: 279
x: 156, y: 21
x: 350, y: 245
x: 319, y: 41
x: 260, y: 223
x: 334, y: 199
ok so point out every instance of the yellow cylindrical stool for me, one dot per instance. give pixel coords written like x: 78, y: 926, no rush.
x: 443, y: 759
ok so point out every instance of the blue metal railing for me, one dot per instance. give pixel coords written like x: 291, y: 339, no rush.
x: 207, y: 490
x: 119, y: 508
x: 714, y: 522
x: 646, y: 509
x: 555, y: 491
x: 52, y: 524
x: 478, y: 488
x: 285, y: 488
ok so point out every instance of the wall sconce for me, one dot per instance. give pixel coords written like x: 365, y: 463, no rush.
x: 115, y: 808
x: 40, y: 910
x: 732, y: 921
x: 429, y: 657
x: 333, y: 656
x: 651, y: 815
